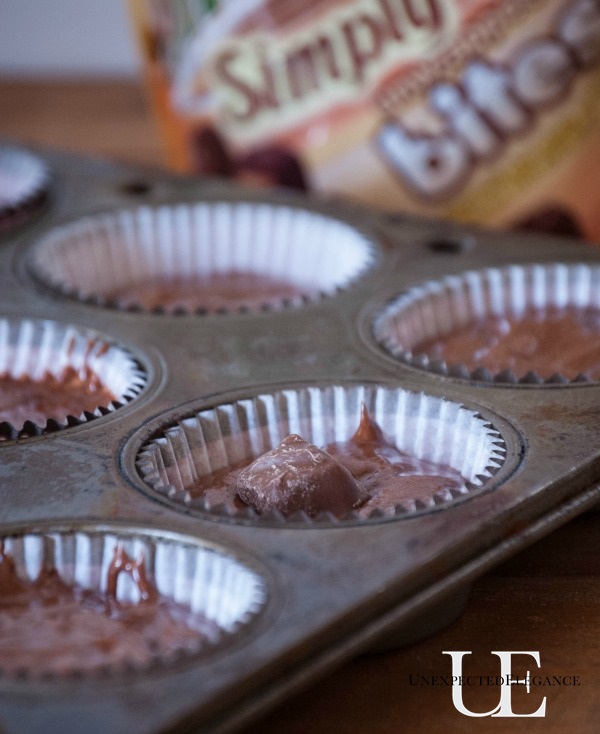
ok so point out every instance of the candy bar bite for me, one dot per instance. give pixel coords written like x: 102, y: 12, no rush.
x: 297, y: 475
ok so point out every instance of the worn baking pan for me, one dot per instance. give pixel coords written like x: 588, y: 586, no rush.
x: 295, y: 595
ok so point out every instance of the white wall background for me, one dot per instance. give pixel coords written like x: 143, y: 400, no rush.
x: 67, y: 37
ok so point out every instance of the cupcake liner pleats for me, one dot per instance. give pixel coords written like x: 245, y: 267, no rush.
x: 424, y: 427
x: 198, y: 257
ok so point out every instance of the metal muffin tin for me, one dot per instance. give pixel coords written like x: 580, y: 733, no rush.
x: 331, y: 590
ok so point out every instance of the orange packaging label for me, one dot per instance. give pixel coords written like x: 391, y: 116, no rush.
x: 483, y: 111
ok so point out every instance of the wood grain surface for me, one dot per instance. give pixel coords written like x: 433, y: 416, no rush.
x: 545, y: 599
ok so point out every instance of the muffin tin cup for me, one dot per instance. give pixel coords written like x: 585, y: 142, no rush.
x: 215, y: 594
x: 99, y: 258
x: 435, y: 309
x: 35, y: 350
x: 424, y: 427
x: 24, y: 183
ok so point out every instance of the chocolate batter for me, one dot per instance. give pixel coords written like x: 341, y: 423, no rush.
x: 389, y: 475
x: 546, y: 341
x: 48, y: 627
x: 24, y: 399
x: 229, y: 290
x: 383, y: 477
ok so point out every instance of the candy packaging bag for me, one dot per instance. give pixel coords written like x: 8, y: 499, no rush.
x: 483, y: 111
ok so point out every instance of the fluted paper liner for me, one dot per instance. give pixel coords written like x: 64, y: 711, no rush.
x: 206, y: 582
x: 35, y: 349
x: 422, y: 426
x: 92, y: 257
x: 24, y: 181
x: 436, y: 308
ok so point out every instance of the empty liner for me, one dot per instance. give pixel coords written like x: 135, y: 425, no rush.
x: 94, y: 626
x: 202, y: 257
x: 185, y: 451
x: 55, y: 375
x: 24, y: 183
x: 534, y: 324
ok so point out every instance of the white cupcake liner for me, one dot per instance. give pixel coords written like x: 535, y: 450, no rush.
x: 422, y: 426
x: 24, y: 180
x: 205, y: 581
x: 436, y: 308
x: 36, y: 348
x: 91, y: 257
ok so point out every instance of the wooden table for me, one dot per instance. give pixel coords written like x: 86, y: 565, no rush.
x: 546, y: 599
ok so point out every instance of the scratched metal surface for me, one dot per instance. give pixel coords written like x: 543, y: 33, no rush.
x: 332, y: 591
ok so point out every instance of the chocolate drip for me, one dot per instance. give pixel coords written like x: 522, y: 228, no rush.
x: 122, y: 563
x: 368, y: 430
x: 10, y: 583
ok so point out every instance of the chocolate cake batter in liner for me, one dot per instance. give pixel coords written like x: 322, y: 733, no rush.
x: 24, y: 184
x: 55, y: 375
x: 400, y: 453
x: 111, y: 601
x: 202, y: 257
x: 529, y: 324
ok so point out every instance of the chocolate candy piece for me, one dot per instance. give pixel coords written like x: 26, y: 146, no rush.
x: 551, y: 220
x: 210, y: 156
x: 297, y: 475
x: 272, y: 166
